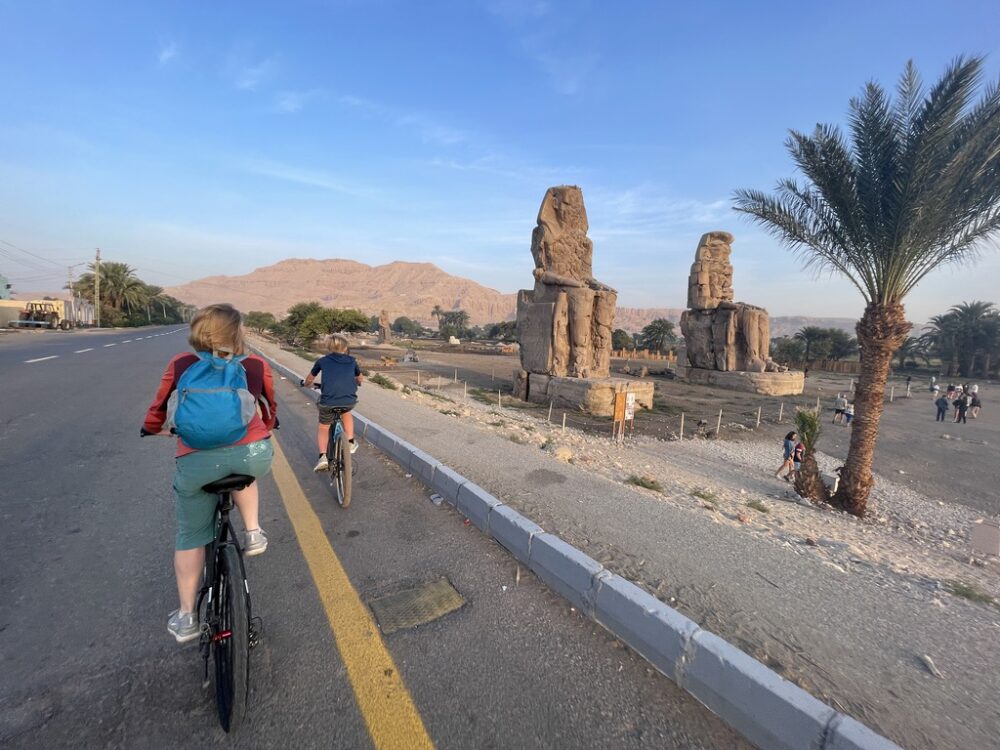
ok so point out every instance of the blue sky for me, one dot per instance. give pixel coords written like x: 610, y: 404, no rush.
x: 189, y: 139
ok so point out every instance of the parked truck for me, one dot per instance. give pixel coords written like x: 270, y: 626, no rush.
x: 54, y: 313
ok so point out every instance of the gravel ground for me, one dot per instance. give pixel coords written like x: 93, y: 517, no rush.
x: 850, y: 610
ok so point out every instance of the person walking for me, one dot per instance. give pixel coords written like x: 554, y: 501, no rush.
x: 849, y: 413
x: 975, y: 404
x: 961, y: 407
x: 787, y: 463
x: 942, y: 408
x: 838, y: 408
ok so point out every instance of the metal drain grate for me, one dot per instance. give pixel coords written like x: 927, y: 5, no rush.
x: 413, y: 607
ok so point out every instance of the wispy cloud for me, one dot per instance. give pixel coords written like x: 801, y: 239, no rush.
x: 290, y: 102
x: 248, y: 76
x: 168, y: 51
x: 302, y: 176
x: 426, y: 127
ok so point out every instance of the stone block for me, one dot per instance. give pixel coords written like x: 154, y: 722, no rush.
x: 592, y: 395
x: 475, y: 503
x: 644, y: 623
x: 513, y: 531
x: 769, y: 711
x: 847, y: 734
x: 447, y: 482
x: 564, y: 569
x: 374, y: 434
x: 423, y: 466
x: 768, y: 383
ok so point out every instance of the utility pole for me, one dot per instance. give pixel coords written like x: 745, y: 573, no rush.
x: 97, y: 289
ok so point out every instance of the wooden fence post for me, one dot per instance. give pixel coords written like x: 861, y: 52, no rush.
x: 718, y: 425
x: 758, y: 416
x: 564, y: 423
x: 781, y: 411
x: 549, y: 418
x: 681, y: 437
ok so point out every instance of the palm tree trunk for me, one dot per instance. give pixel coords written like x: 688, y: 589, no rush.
x: 808, y: 482
x: 881, y: 331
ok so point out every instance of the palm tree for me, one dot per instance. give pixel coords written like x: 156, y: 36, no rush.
x: 908, y: 350
x: 941, y: 335
x: 436, y: 313
x: 971, y: 319
x: 658, y: 336
x: 918, y: 187
x: 808, y: 482
x: 811, y: 335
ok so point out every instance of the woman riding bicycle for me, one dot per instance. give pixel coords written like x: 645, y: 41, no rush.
x: 216, y: 331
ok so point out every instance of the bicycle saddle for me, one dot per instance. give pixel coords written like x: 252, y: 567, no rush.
x: 229, y: 484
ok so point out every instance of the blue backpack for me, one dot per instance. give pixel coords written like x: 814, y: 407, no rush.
x: 211, y: 406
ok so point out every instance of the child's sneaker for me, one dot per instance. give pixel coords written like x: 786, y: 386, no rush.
x: 183, y: 626
x: 323, y: 464
x: 354, y: 446
x: 254, y: 542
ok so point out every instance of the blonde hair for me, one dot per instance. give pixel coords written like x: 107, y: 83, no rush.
x: 217, y: 329
x: 336, y: 344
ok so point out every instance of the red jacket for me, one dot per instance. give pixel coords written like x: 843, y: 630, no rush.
x: 259, y: 383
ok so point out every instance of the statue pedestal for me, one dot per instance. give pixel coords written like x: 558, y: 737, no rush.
x: 595, y: 396
x: 790, y: 383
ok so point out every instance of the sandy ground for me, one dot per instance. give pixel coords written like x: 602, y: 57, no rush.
x: 953, y: 463
x: 872, y: 616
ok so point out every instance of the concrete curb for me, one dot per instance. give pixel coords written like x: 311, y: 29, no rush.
x: 758, y: 703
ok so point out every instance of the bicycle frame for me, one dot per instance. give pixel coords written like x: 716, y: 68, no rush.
x: 225, y: 535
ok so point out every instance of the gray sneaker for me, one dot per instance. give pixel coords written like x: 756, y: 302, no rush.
x: 254, y: 542
x: 323, y: 464
x: 183, y: 626
x: 354, y: 446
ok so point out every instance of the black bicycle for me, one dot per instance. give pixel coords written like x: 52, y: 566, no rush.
x: 228, y: 630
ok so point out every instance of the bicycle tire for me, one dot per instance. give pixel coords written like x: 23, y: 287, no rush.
x: 342, y: 477
x: 231, y: 653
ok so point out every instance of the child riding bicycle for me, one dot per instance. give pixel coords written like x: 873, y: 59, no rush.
x: 341, y: 377
x: 216, y: 337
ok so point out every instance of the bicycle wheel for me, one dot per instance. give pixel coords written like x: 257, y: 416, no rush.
x: 231, y: 640
x: 342, y: 471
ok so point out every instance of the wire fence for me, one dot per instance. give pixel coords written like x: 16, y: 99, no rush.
x: 493, y: 388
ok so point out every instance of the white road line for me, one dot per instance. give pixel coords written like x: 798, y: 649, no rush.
x: 81, y: 351
x: 107, y: 345
x: 40, y: 359
x: 127, y: 341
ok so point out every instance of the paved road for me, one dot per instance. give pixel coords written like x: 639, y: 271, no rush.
x: 85, y: 586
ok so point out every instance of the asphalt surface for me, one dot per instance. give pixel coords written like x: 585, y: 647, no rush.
x: 86, y: 583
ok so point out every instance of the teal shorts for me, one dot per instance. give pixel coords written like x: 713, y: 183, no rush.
x: 196, y: 508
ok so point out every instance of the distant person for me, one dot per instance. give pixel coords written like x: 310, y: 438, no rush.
x: 341, y: 377
x: 950, y: 393
x: 933, y: 386
x: 839, y: 404
x: 798, y: 454
x: 961, y: 405
x: 787, y: 463
x: 975, y: 404
x: 942, y: 405
x: 849, y: 413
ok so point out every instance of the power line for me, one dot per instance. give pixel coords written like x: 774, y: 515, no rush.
x: 33, y: 255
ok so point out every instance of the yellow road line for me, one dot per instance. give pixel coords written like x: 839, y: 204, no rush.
x: 385, y: 703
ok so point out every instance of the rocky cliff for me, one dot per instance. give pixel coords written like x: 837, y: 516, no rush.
x: 400, y: 288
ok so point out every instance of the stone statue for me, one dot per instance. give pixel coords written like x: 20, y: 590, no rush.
x: 724, y: 336
x: 384, y: 328
x: 564, y: 324
x: 721, y: 334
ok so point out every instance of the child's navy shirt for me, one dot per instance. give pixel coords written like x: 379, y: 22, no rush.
x: 339, y: 387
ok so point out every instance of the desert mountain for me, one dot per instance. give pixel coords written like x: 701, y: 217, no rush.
x: 401, y: 288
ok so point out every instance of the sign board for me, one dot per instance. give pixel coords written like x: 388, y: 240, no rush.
x: 620, y: 407
x: 629, y: 406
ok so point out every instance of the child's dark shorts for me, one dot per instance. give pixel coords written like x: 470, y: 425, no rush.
x: 326, y: 413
